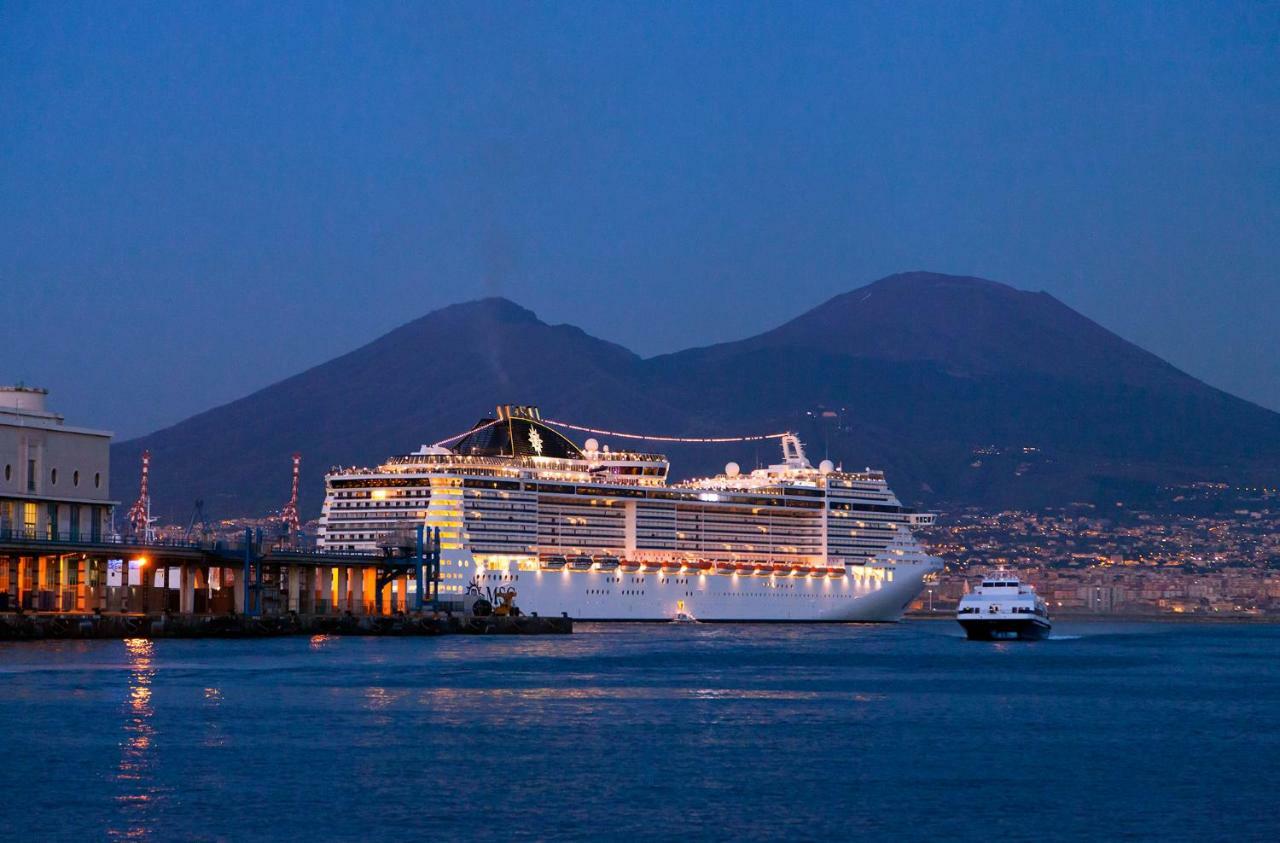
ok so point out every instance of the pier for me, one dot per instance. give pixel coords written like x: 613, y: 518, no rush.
x: 62, y: 586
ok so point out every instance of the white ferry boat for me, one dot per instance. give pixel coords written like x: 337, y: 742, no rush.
x: 600, y: 534
x: 1003, y: 607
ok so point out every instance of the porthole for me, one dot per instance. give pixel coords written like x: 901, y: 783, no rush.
x: 97, y: 480
x: 53, y: 476
x: 75, y: 478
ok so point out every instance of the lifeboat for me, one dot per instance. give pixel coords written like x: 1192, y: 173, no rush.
x: 697, y: 567
x: 630, y: 565
x: 725, y: 567
x: 835, y: 572
x: 606, y: 563
x: 670, y: 567
x: 744, y: 568
x: 580, y: 563
x: 554, y: 563
x: 649, y: 567
x: 781, y: 569
x: 763, y: 569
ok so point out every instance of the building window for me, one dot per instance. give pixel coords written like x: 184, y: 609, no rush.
x: 53, y: 477
x: 75, y: 478
x: 8, y: 473
x: 97, y: 480
x: 31, y: 475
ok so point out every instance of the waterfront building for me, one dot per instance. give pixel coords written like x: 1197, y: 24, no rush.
x: 54, y: 486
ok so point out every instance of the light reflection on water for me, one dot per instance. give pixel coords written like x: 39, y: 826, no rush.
x: 214, y: 735
x: 644, y: 732
x: 136, y: 768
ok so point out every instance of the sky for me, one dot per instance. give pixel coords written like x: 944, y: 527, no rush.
x: 200, y: 199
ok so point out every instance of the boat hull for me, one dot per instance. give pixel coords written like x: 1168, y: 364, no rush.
x: 595, y: 596
x: 1006, y: 629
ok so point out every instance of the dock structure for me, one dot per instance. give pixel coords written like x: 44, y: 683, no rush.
x: 70, y: 588
x: 61, y: 573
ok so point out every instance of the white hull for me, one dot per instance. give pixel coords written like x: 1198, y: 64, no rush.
x: 622, y: 596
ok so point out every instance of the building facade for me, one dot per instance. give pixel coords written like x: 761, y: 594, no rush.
x: 54, y: 486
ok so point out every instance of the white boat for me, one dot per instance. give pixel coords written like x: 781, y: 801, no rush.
x: 1003, y: 607
x: 519, y: 505
x: 682, y: 614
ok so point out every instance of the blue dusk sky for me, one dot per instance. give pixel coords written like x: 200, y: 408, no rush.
x: 199, y: 199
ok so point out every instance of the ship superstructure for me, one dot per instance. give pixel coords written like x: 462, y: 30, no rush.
x: 600, y: 534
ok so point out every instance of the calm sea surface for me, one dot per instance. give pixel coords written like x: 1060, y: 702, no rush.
x: 1110, y: 731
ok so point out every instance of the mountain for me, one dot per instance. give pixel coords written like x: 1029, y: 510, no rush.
x: 964, y: 390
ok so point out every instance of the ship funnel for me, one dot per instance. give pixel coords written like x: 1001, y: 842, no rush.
x: 519, y: 411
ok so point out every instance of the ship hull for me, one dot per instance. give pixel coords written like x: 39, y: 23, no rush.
x: 597, y: 596
x: 1023, y: 629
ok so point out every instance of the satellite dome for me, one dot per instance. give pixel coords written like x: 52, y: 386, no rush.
x: 731, y: 469
x: 591, y: 445
x: 826, y: 466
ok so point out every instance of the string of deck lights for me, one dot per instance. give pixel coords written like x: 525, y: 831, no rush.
x: 760, y: 437
x: 440, y: 444
x: 704, y: 439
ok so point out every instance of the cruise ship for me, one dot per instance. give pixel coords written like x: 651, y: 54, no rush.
x: 601, y: 534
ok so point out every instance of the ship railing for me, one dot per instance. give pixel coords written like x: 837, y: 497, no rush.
x: 88, y: 541
x: 501, y: 462
x: 69, y: 537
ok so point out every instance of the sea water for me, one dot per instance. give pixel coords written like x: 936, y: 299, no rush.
x: 650, y: 731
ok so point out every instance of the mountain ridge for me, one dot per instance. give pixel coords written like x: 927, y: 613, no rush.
x: 917, y: 372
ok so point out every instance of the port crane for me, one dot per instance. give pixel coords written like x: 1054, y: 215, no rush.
x: 289, y: 514
x: 141, y: 524
x: 199, y: 516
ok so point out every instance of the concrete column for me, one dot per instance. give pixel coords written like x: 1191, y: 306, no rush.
x: 186, y: 590
x: 324, y: 589
x: 308, y: 584
x: 357, y: 590
x: 343, y: 604
x: 64, y: 583
x: 80, y: 566
x: 295, y: 588
x: 100, y: 592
